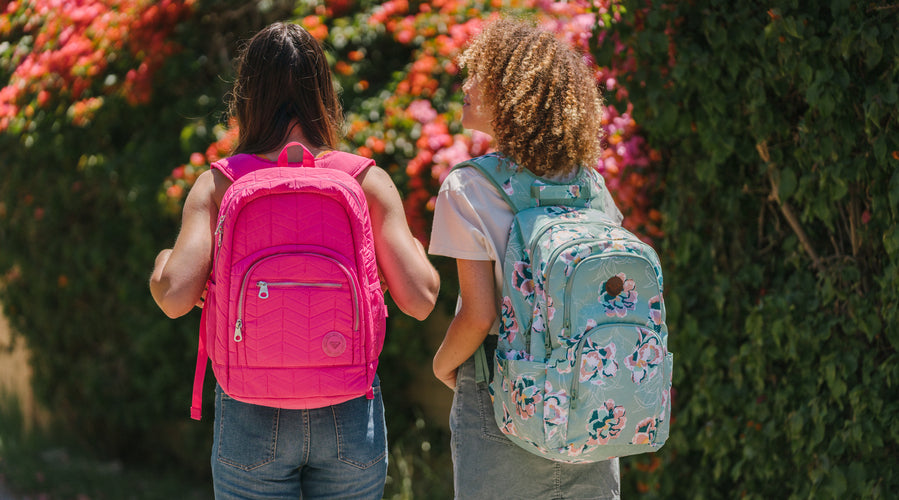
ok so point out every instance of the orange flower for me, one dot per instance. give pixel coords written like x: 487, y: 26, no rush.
x: 376, y: 144
x: 343, y: 68
x: 174, y: 191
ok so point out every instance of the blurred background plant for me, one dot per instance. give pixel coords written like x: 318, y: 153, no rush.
x: 757, y: 147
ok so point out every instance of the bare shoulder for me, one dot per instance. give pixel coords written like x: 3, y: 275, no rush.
x: 374, y: 175
x: 209, y: 187
x: 377, y: 184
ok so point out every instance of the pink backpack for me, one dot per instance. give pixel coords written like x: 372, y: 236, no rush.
x: 294, y: 314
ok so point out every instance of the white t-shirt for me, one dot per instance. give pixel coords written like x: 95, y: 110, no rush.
x: 472, y: 221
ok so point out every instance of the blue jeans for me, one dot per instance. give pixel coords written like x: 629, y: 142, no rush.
x: 486, y: 465
x: 339, y: 451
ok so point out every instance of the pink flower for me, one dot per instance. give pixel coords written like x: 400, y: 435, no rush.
x: 421, y: 111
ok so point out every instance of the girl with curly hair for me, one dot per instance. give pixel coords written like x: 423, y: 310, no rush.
x: 539, y: 101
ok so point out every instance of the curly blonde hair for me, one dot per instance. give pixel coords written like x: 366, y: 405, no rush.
x: 545, y: 105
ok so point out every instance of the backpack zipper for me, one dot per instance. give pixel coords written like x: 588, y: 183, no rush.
x: 547, y: 343
x: 238, y: 326
x: 264, y: 286
x: 220, y: 231
x: 576, y: 381
x: 557, y: 223
x: 560, y: 250
x: 566, y: 316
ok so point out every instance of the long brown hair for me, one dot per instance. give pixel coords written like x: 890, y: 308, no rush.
x: 282, y: 77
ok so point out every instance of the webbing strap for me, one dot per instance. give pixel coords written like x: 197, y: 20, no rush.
x: 481, y: 370
x: 483, y: 360
x: 196, y: 407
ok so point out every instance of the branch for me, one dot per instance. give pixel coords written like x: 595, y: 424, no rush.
x: 785, y: 208
x: 854, y: 223
x: 883, y: 7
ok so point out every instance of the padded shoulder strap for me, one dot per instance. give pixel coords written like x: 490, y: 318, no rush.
x: 237, y: 166
x: 522, y: 189
x: 346, y: 162
x: 500, y: 171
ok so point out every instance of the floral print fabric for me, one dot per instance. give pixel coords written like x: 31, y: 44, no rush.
x: 582, y: 368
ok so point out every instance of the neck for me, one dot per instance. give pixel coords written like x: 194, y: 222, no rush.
x: 293, y: 154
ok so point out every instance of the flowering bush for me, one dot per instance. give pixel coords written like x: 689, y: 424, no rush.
x: 62, y: 55
x: 93, y: 95
x: 410, y: 122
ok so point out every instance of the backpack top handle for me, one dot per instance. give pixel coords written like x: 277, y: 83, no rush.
x: 308, y: 159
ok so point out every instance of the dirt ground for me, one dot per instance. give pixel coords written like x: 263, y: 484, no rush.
x: 15, y: 375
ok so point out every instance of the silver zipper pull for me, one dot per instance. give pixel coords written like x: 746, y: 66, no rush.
x: 263, y: 289
x: 219, y: 230
x: 237, y: 327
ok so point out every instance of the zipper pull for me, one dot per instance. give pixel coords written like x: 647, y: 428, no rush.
x: 572, y: 397
x: 263, y: 289
x: 237, y: 327
x: 219, y: 230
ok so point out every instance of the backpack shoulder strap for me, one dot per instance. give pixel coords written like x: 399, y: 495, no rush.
x: 237, y: 166
x: 345, y: 162
x: 502, y: 172
x: 522, y: 189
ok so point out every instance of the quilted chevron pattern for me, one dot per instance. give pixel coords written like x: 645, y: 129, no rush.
x: 298, y: 316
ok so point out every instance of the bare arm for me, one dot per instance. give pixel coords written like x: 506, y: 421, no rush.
x: 472, y: 322
x: 180, y: 274
x: 412, y: 280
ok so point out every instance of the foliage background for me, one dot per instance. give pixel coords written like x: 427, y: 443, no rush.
x: 763, y: 167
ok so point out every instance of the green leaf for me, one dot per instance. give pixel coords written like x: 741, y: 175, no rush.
x: 880, y: 148
x: 892, y: 335
x: 891, y: 242
x: 838, y: 188
x: 787, y: 185
x: 846, y: 45
x: 873, y: 55
x: 837, y: 482
x: 791, y: 27
x: 806, y: 72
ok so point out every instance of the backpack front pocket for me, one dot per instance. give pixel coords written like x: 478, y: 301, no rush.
x: 620, y: 394
x: 297, y: 310
x: 518, y: 405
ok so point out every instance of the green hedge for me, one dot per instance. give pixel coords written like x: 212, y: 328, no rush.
x: 780, y: 200
x: 81, y: 219
x: 778, y: 129
x: 80, y: 225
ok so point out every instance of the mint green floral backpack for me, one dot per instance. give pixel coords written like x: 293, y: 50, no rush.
x: 582, y: 371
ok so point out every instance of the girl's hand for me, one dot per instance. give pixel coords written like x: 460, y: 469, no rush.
x: 448, y: 379
x: 200, y: 303
x: 473, y: 320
